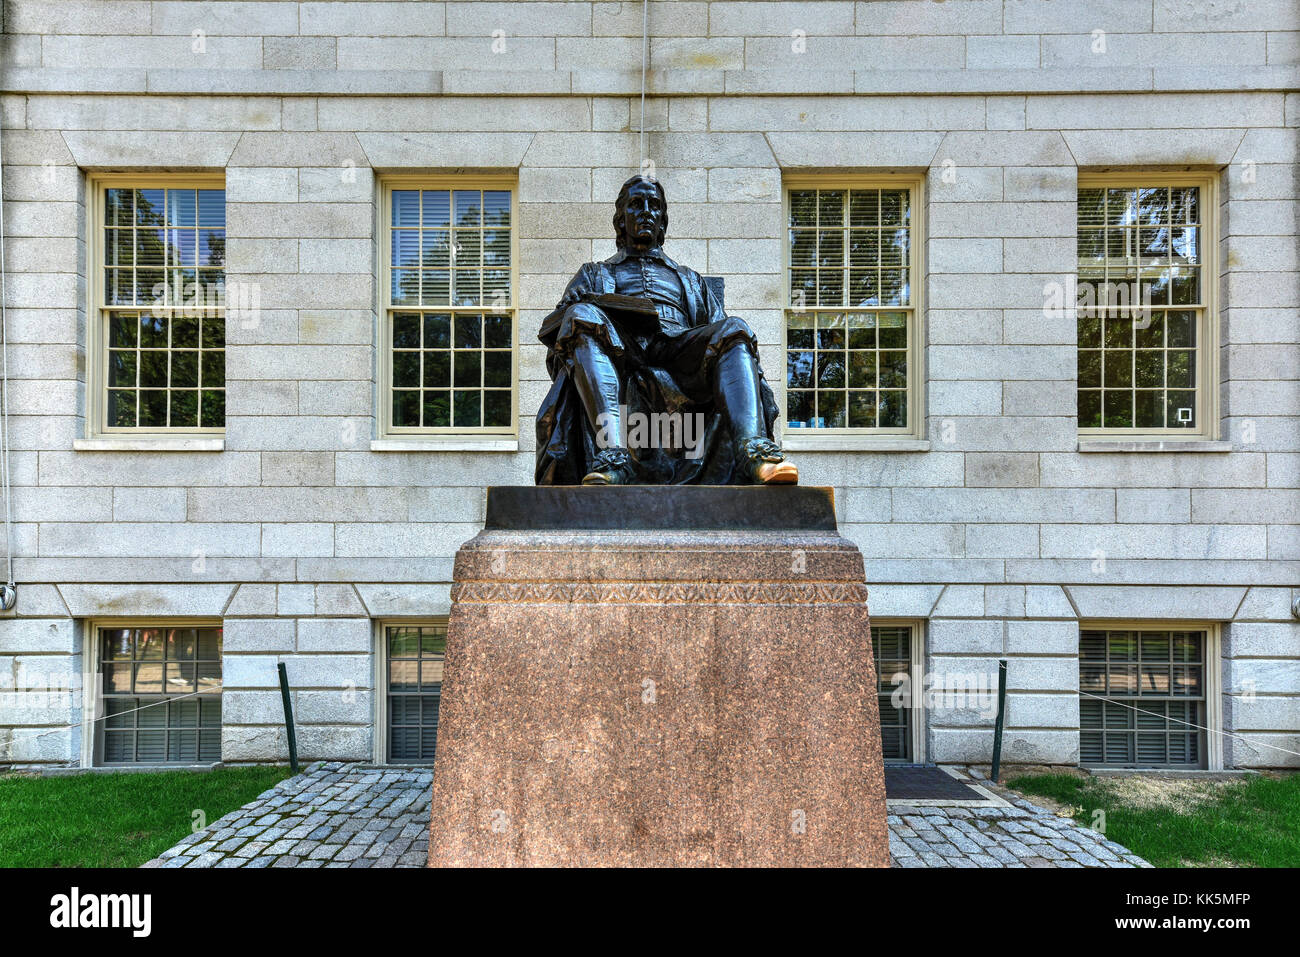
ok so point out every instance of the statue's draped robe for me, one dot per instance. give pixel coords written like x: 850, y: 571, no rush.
x: 661, y: 373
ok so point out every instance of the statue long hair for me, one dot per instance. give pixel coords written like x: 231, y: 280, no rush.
x: 620, y: 206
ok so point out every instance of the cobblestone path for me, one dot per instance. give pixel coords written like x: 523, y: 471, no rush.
x: 1024, y: 835
x: 342, y: 815
x: 331, y: 815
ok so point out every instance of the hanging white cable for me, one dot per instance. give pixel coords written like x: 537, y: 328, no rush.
x: 1198, y: 727
x: 8, y: 594
x: 645, y: 62
x: 90, y: 722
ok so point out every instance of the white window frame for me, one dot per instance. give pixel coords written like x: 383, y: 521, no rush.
x: 1213, y: 677
x: 912, y: 436
x: 1208, y: 327
x: 482, y: 438
x: 92, y: 696
x: 380, y: 682
x: 96, y: 430
x: 919, y: 717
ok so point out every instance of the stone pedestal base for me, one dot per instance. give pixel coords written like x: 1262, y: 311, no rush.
x: 646, y: 696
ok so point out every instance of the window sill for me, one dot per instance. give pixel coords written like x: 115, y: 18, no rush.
x: 151, y: 443
x: 1154, y: 445
x: 450, y: 444
x: 853, y: 443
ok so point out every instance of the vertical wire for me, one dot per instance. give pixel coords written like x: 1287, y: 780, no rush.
x: 645, y: 60
x: 5, y: 484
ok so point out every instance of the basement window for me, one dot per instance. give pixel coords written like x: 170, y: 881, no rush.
x: 161, y: 695
x: 414, y: 662
x: 1142, y: 698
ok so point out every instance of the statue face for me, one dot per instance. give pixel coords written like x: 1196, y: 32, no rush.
x: 643, y: 216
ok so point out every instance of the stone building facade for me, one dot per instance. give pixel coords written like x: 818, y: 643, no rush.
x: 313, y: 517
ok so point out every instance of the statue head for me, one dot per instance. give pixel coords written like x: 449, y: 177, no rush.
x: 640, y: 214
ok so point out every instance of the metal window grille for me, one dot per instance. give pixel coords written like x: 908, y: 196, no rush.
x: 1150, y: 704
x: 892, y: 648
x: 415, y: 661
x: 161, y: 695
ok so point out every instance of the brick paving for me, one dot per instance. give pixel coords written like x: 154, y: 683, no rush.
x: 342, y: 815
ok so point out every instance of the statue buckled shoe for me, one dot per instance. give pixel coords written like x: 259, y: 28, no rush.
x: 766, y: 463
x: 610, y: 467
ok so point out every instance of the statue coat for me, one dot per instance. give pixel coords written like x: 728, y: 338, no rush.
x: 566, y: 442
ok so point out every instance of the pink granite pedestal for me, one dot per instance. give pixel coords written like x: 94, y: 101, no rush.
x: 660, y: 696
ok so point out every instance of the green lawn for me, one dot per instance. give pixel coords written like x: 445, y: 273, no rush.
x: 1248, y: 822
x: 115, y: 820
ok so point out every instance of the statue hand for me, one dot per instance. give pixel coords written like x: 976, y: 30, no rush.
x: 570, y: 296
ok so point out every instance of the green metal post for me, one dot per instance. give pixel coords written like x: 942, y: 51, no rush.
x: 997, y: 728
x: 288, y: 719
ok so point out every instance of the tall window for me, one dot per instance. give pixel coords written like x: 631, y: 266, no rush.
x: 1144, y: 305
x: 892, y: 647
x: 415, y: 655
x: 851, y: 339
x: 161, y: 695
x: 451, y: 312
x: 1142, y: 698
x: 160, y: 293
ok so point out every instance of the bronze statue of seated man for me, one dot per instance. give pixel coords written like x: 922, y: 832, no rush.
x: 652, y: 382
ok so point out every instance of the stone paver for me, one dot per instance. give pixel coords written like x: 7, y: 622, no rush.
x: 339, y: 815
x: 1023, y: 835
x: 321, y: 817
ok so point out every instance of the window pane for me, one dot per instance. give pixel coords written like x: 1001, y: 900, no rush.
x: 831, y: 410
x: 183, y: 408
x: 803, y: 207
x: 496, y: 208
x: 892, y: 409
x: 467, y: 368
x: 497, y: 332
x: 159, y: 703
x: 437, y: 409
x: 830, y: 370
x: 848, y: 248
x: 830, y: 207
x: 862, y: 410
x: 414, y: 691
x: 467, y: 208
x: 467, y: 408
x: 1139, y: 247
x: 153, y: 242
x: 406, y: 207
x: 452, y: 248
x: 437, y: 369
x: 496, y: 369
x: 1149, y: 709
x: 435, y: 286
x: 864, y: 207
x: 406, y: 408
x: 406, y: 248
x: 406, y: 369
x: 891, y: 647
x: 212, y: 208
x: 799, y: 409
x: 496, y: 408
